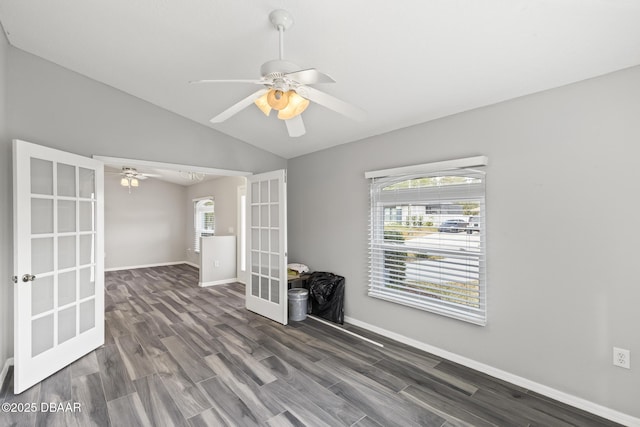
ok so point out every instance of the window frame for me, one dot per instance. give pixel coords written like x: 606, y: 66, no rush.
x: 199, y: 208
x: 383, y: 284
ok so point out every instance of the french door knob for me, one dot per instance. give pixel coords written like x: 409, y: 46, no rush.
x: 28, y: 278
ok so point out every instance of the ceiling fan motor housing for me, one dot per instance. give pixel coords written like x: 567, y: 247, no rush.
x: 277, y: 68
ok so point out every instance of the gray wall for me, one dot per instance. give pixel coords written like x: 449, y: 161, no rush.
x: 49, y: 105
x: 53, y: 106
x: 562, y: 279
x: 225, y: 195
x: 145, y: 226
x: 6, y: 236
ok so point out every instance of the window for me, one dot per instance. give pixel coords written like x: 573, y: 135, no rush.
x: 204, y: 220
x: 427, y: 241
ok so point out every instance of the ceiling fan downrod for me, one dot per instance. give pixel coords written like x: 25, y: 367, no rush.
x: 282, y: 20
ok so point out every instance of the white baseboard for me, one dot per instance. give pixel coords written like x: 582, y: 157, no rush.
x: 558, y: 395
x: 161, y: 264
x: 218, y: 282
x: 5, y: 369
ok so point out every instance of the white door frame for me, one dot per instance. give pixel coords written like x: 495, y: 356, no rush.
x: 107, y: 160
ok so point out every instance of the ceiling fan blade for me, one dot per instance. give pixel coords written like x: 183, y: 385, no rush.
x: 295, y: 126
x: 332, y: 103
x: 258, y: 82
x: 150, y: 175
x: 310, y: 76
x: 236, y: 108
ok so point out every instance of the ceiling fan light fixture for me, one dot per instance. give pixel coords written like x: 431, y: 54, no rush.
x: 134, y: 182
x: 124, y: 182
x: 296, y: 106
x: 277, y: 99
x: 193, y: 176
x: 263, y: 104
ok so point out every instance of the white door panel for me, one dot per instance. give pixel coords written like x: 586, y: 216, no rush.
x: 58, y: 260
x: 266, y: 289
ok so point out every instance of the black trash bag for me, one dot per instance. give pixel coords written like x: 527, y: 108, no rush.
x: 326, y: 296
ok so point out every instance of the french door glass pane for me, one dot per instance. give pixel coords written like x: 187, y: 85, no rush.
x: 87, y: 315
x: 66, y: 252
x: 274, y: 216
x: 87, y: 254
x: 66, y: 180
x: 255, y: 262
x: 41, y: 177
x: 264, y: 288
x: 275, y: 240
x: 255, y: 217
x: 66, y: 324
x: 41, y: 216
x: 264, y: 240
x: 275, y: 291
x: 87, y: 180
x: 41, y: 255
x: 264, y: 192
x: 274, y: 191
x: 87, y: 282
x: 264, y: 264
x: 41, y: 334
x: 255, y: 193
x: 255, y: 238
x: 86, y: 216
x: 41, y: 295
x: 255, y: 281
x: 66, y: 216
x: 66, y: 288
x: 275, y: 266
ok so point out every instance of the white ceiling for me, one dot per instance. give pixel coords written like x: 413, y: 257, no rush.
x: 403, y: 62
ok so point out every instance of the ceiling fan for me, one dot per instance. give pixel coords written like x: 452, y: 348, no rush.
x: 131, y: 177
x: 286, y: 87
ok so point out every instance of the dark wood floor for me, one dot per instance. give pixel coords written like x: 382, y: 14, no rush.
x: 179, y: 355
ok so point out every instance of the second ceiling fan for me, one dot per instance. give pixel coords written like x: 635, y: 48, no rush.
x: 286, y: 88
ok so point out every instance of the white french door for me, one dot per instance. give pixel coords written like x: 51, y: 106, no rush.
x: 58, y: 260
x: 266, y: 291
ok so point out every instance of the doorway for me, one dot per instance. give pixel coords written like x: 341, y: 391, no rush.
x: 159, y: 194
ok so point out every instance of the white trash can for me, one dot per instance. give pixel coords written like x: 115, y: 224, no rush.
x: 297, y: 303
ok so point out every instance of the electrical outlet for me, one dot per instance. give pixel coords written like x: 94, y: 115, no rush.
x: 216, y: 263
x: 622, y: 357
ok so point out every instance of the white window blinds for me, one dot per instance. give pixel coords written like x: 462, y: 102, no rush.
x: 204, y: 220
x: 427, y: 241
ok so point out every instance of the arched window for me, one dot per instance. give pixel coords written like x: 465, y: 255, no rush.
x: 204, y: 220
x: 427, y: 240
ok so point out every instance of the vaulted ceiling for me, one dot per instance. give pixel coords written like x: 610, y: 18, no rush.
x: 403, y: 62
